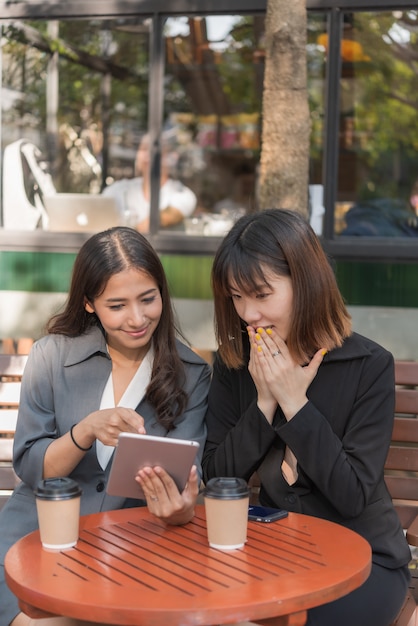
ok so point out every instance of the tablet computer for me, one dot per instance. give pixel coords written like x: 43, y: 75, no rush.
x: 135, y: 451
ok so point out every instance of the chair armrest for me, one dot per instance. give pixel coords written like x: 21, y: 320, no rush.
x: 412, y: 533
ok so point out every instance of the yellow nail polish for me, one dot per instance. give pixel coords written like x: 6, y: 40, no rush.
x: 260, y: 330
x: 269, y: 331
x: 259, y: 348
x: 257, y: 336
x: 323, y: 352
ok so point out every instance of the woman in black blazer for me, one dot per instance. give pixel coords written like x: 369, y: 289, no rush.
x: 304, y: 401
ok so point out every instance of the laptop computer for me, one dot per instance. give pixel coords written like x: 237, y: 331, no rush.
x: 81, y: 212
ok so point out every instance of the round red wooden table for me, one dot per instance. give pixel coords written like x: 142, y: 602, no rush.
x: 129, y: 568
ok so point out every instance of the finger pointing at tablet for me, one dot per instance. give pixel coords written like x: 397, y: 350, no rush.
x: 106, y: 424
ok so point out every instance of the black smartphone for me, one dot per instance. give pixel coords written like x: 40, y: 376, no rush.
x: 265, y: 514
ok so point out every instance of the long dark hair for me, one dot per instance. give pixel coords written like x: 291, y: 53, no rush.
x: 103, y: 255
x: 281, y: 241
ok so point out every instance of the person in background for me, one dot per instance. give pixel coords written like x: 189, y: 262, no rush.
x: 304, y: 401
x: 413, y: 198
x: 133, y: 195
x: 110, y: 363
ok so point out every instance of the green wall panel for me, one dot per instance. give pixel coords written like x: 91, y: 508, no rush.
x: 366, y: 284
x: 378, y: 284
x: 35, y: 271
x: 188, y: 276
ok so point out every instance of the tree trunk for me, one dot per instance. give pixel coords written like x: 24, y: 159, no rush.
x: 286, y: 120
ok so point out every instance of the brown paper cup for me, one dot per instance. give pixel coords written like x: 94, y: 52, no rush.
x: 226, y: 505
x: 58, y: 507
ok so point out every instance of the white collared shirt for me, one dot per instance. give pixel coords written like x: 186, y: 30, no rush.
x: 131, y: 398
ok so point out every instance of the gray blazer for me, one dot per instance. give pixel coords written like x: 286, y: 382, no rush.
x: 63, y: 382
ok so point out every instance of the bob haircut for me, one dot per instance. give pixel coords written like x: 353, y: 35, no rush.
x: 102, y: 256
x: 282, y: 243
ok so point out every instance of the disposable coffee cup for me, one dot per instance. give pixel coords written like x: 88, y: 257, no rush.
x: 226, y: 505
x: 58, y: 507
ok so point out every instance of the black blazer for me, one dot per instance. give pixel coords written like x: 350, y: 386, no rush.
x: 340, y: 439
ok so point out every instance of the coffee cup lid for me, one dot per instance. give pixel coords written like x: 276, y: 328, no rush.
x: 60, y: 488
x: 227, y: 488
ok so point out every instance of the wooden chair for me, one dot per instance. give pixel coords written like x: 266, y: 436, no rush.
x: 401, y: 469
x: 16, y: 346
x: 11, y: 370
x: 207, y: 355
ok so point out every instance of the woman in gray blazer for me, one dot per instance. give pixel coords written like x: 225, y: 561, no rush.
x: 110, y: 363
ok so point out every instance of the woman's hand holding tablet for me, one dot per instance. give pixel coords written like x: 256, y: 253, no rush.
x: 134, y: 452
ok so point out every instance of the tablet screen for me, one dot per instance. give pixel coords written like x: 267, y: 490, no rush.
x: 135, y: 451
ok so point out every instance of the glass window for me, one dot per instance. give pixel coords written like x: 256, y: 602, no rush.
x: 378, y: 132
x: 212, y: 106
x: 75, y: 139
x: 212, y: 112
x: 74, y: 108
x: 316, y: 66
